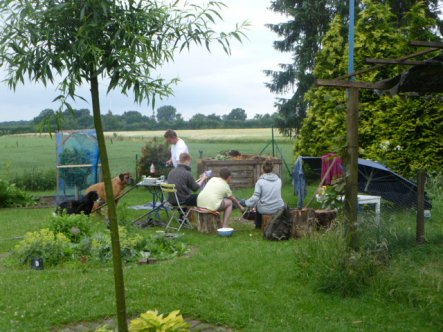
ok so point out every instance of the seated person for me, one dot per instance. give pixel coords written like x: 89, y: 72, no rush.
x: 217, y: 195
x: 184, y: 182
x: 267, y: 195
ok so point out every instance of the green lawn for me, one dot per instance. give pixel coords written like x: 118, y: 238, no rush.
x: 243, y: 282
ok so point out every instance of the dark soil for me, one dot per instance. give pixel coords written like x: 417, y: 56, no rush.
x: 43, y: 202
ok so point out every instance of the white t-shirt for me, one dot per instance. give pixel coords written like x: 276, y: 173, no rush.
x: 176, y: 150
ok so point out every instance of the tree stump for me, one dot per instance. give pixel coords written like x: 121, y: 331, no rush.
x: 208, y: 223
x: 191, y: 215
x: 325, y: 218
x: 265, y: 221
x: 303, y: 222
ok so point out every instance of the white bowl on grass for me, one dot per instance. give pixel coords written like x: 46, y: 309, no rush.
x: 226, y: 231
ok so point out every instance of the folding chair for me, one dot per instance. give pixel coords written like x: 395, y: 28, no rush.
x: 177, y: 208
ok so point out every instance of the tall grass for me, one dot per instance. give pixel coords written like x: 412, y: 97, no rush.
x: 389, y: 265
x: 330, y: 266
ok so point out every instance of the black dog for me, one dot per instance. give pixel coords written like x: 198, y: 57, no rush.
x: 85, y: 205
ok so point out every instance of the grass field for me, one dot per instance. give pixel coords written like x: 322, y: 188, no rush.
x: 19, y: 153
x: 243, y: 282
x: 253, y: 134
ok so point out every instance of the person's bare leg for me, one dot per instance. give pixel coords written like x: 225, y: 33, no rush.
x: 227, y: 212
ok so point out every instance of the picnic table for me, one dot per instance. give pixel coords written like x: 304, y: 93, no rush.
x: 156, y: 205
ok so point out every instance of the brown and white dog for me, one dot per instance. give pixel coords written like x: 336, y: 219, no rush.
x: 118, y: 187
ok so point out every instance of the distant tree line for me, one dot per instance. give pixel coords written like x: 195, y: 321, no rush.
x: 165, y: 117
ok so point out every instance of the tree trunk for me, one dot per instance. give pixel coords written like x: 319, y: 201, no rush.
x: 208, y: 223
x: 351, y: 188
x: 112, y: 214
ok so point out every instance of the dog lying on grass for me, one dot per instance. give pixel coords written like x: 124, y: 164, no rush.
x: 82, y: 205
x: 119, y: 184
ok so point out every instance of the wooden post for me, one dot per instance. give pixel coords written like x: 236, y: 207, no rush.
x: 351, y: 188
x: 420, y: 231
x: 136, y: 167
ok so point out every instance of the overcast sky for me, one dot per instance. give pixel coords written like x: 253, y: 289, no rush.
x: 209, y: 82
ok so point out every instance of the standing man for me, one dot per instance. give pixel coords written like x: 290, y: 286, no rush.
x: 178, y: 146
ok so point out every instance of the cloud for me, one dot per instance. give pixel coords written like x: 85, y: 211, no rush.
x: 209, y: 82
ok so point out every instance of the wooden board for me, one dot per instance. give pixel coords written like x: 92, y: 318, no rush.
x: 245, y: 173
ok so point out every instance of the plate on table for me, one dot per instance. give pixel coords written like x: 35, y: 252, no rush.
x: 149, y: 181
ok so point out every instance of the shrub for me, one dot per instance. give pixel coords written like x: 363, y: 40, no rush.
x: 100, y: 246
x: 132, y: 246
x: 11, y: 196
x: 155, y: 153
x: 36, y: 180
x: 73, y: 226
x: 163, y: 248
x: 153, y: 321
x: 54, y: 248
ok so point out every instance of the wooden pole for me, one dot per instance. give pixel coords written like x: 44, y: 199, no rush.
x: 136, y: 168
x: 420, y: 231
x: 362, y: 71
x: 351, y: 188
x: 273, y: 142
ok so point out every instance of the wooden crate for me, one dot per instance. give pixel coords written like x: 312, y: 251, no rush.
x: 245, y: 173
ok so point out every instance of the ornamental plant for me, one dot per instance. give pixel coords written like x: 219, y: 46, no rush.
x: 155, y: 322
x: 154, y: 152
x: 54, y: 248
x: 73, y: 226
x: 11, y: 196
x: 152, y: 321
x: 130, y: 246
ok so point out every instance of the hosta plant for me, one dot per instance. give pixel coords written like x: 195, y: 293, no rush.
x: 155, y: 322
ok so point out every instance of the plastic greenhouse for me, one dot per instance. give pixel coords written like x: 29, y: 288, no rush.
x: 78, y: 163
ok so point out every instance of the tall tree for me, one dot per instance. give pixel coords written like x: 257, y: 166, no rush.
x: 81, y: 41
x: 237, y: 114
x: 392, y: 130
x: 166, y: 114
x: 301, y: 37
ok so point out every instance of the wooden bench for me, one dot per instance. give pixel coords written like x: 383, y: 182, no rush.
x: 208, y: 221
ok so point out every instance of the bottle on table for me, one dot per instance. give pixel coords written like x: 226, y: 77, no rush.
x: 152, y: 170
